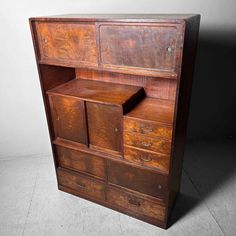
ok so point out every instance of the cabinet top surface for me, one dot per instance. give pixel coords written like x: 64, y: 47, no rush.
x: 116, y: 17
x: 96, y: 91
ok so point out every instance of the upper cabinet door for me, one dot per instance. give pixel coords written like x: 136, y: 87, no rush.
x: 148, y: 49
x: 67, y: 43
x: 68, y: 115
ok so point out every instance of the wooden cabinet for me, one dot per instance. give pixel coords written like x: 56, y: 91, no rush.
x: 116, y: 91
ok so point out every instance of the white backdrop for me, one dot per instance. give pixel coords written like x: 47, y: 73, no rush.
x: 23, y: 130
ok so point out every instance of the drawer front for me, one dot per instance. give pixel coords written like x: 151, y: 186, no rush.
x: 105, y: 126
x: 136, y: 204
x: 148, y: 159
x: 144, y: 46
x: 137, y: 179
x: 69, y: 43
x: 81, y: 161
x: 81, y: 183
x: 144, y: 142
x: 68, y: 116
x: 147, y: 128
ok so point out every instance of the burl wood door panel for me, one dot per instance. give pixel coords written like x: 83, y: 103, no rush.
x: 68, y: 116
x: 67, y: 43
x: 105, y: 126
x: 136, y: 204
x: 81, y: 183
x: 147, y: 46
x: 137, y: 179
x: 81, y: 161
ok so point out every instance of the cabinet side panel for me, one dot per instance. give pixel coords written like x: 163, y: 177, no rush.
x: 49, y: 77
x: 182, y: 105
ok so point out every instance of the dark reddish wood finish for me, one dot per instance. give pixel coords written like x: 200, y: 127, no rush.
x: 147, y: 158
x: 76, y: 46
x: 120, y: 85
x: 131, y: 45
x: 68, y: 115
x: 81, y: 161
x: 105, y: 127
x: 133, y: 178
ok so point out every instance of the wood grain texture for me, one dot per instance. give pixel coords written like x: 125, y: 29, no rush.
x: 105, y: 127
x: 146, y: 127
x: 146, y: 158
x: 72, y: 43
x: 147, y: 143
x: 97, y: 91
x: 69, y: 120
x: 132, y: 46
x: 138, y: 180
x: 156, y: 87
x: 81, y: 183
x: 136, y: 204
x: 135, y: 71
x: 81, y: 161
x: 158, y: 110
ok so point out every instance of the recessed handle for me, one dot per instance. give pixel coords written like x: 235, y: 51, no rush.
x: 116, y: 129
x: 146, y: 144
x: 145, y: 158
x: 134, y: 202
x: 159, y: 186
x: 81, y: 185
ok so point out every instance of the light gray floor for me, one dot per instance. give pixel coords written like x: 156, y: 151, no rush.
x: 30, y: 203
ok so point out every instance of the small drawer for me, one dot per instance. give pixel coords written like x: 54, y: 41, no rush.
x: 148, y: 128
x: 140, y: 180
x: 81, y: 183
x: 136, y: 204
x: 146, y: 158
x: 144, y: 142
x: 81, y: 161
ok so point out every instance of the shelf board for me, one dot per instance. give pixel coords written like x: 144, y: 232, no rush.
x: 97, y: 91
x: 153, y: 109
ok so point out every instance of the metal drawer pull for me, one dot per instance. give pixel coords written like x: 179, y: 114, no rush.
x: 159, y: 186
x: 146, y: 144
x: 146, y: 129
x: 116, y: 130
x: 169, y: 49
x: 134, y: 202
x: 145, y: 158
x: 81, y: 185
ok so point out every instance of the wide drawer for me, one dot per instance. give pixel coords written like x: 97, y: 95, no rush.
x: 81, y: 161
x: 151, y: 129
x: 67, y: 43
x: 136, y: 204
x: 137, y: 179
x: 144, y: 142
x: 146, y: 158
x: 81, y: 183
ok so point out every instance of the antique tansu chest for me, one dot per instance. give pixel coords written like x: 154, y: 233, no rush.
x: 116, y: 90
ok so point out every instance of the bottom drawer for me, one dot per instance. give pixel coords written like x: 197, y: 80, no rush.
x: 136, y: 204
x: 81, y: 183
